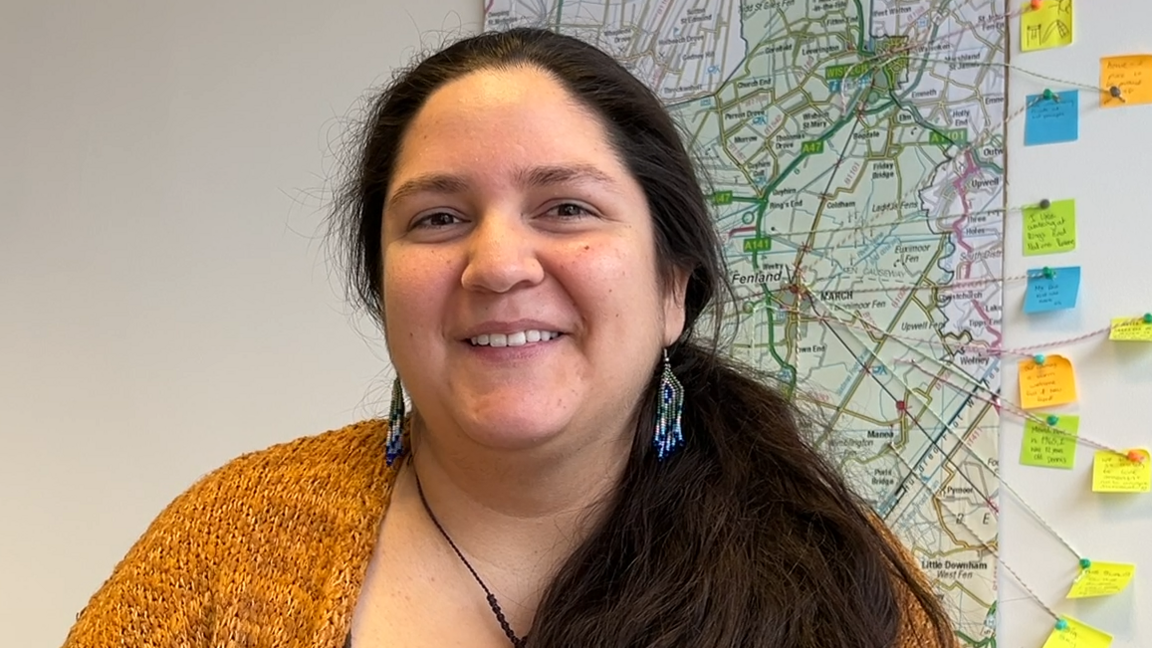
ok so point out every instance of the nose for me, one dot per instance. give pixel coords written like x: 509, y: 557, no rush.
x: 502, y: 255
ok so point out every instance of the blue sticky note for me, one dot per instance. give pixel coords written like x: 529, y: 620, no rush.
x: 1057, y: 292
x: 1051, y: 121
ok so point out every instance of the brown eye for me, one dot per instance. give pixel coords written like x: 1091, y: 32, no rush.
x: 569, y: 211
x: 436, y: 221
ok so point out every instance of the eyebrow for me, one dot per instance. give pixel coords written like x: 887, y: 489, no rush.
x: 540, y: 176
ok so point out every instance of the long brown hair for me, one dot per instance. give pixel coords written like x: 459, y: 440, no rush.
x: 746, y: 536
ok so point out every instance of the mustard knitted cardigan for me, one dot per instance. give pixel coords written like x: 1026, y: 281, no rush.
x: 268, y: 551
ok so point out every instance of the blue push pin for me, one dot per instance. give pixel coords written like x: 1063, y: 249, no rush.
x: 1039, y: 358
x: 1085, y: 563
x: 1061, y: 624
x: 1052, y: 419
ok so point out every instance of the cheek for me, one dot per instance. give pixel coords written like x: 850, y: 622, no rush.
x: 415, y: 287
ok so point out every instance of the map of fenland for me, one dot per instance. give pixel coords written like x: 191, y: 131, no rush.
x: 853, y: 151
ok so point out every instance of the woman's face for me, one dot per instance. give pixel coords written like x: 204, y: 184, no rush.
x: 521, y: 298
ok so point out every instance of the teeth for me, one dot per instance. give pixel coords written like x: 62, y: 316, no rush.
x: 519, y: 338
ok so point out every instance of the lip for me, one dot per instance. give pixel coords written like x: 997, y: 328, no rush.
x: 507, y: 327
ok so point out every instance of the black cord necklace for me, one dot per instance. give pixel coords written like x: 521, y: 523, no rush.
x: 517, y: 642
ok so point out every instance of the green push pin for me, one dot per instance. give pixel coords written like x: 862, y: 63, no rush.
x: 1049, y: 272
x: 1147, y: 318
x: 1039, y: 358
x: 1061, y: 624
x: 1085, y: 563
x: 1049, y: 95
x: 1052, y: 419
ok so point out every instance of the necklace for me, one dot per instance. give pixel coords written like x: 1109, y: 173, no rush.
x: 517, y: 642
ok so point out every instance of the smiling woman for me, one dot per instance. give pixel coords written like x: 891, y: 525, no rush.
x: 580, y: 465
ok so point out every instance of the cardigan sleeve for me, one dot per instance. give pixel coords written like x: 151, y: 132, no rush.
x: 159, y: 594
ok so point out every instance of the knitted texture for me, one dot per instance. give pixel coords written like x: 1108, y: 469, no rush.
x: 270, y: 550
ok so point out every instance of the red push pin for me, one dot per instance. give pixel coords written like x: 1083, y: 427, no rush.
x: 1135, y: 456
x: 901, y: 406
x: 1037, y: 4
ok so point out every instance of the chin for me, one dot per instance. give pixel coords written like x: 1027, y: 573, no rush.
x: 514, y: 430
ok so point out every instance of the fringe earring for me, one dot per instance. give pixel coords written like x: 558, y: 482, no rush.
x: 395, y: 446
x: 670, y: 405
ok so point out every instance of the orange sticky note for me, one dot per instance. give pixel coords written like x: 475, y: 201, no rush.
x: 1048, y: 26
x: 1077, y: 634
x: 1116, y: 473
x: 1102, y: 579
x: 1048, y: 384
x: 1131, y: 74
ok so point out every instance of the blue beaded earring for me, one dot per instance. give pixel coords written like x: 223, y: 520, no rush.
x: 395, y: 446
x: 669, y: 436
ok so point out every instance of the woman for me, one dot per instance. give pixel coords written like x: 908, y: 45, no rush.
x: 580, y: 467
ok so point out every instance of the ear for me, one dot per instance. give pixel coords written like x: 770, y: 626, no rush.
x: 674, y: 296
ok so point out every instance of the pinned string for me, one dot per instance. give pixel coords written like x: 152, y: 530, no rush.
x: 983, y: 545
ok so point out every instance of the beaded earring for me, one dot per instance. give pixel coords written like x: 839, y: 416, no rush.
x: 670, y: 404
x: 395, y: 446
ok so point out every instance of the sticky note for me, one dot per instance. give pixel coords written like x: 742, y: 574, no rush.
x: 1130, y: 329
x: 1102, y: 579
x: 1116, y: 473
x: 1077, y: 634
x: 1132, y: 74
x: 1056, y: 292
x: 1048, y: 384
x: 1047, y: 27
x: 1047, y: 231
x: 1052, y: 120
x: 1050, y: 446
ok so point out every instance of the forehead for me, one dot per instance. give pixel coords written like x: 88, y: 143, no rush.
x: 504, y: 119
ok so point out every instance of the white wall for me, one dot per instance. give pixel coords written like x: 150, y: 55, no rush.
x: 1107, y: 172
x: 166, y: 297
x: 166, y: 300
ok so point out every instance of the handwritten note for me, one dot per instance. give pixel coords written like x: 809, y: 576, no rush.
x: 1131, y: 74
x: 1050, y: 446
x: 1057, y: 291
x: 1102, y: 579
x: 1116, y: 473
x: 1048, y: 384
x: 1130, y: 329
x: 1051, y: 230
x: 1052, y: 120
x: 1077, y: 634
x: 1047, y: 27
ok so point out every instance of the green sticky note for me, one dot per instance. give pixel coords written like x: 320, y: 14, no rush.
x: 1050, y: 446
x: 1051, y: 230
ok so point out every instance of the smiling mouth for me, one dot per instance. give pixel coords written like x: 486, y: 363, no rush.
x: 519, y: 338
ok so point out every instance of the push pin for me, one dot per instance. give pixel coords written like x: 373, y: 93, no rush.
x: 1045, y: 204
x: 1049, y: 95
x: 1147, y: 318
x: 1039, y: 358
x: 1052, y: 420
x: 1085, y: 563
x: 1115, y: 92
x: 1061, y: 624
x: 1135, y: 456
x: 1037, y: 4
x: 1049, y: 272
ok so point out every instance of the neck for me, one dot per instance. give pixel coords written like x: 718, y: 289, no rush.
x: 517, y: 510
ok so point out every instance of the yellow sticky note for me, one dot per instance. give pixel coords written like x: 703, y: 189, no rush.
x: 1102, y: 579
x: 1130, y: 329
x: 1050, y: 230
x: 1047, y: 384
x: 1077, y: 634
x: 1050, y: 446
x: 1116, y: 473
x: 1131, y: 74
x: 1046, y: 27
